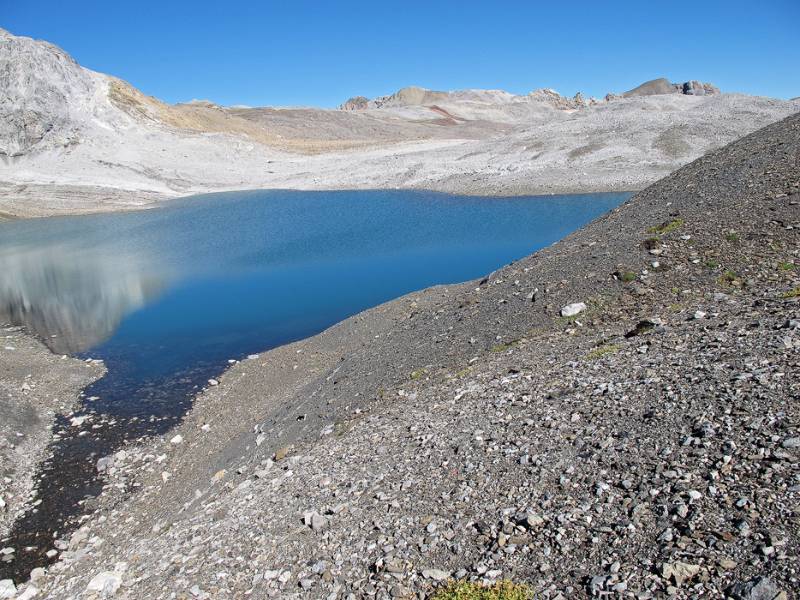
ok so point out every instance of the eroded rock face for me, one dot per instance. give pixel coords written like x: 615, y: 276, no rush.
x: 42, y: 89
x: 355, y: 103
x: 663, y: 86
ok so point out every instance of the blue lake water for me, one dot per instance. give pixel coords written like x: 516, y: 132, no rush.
x: 166, y: 297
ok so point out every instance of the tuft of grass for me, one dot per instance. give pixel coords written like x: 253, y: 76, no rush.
x: 712, y: 264
x: 466, y: 590
x: 502, y: 347
x: 732, y: 237
x: 418, y: 374
x: 729, y: 278
x: 786, y: 266
x: 666, y: 227
x: 463, y: 372
x: 602, y: 351
x: 793, y: 293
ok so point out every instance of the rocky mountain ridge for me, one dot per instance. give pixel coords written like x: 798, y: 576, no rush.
x: 417, y: 96
x: 72, y: 140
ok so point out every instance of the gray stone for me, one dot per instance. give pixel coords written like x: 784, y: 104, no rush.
x: 570, y: 310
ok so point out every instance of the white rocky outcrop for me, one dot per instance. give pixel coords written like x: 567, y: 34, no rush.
x: 73, y: 140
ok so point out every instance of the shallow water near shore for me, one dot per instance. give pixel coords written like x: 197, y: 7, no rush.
x: 167, y: 297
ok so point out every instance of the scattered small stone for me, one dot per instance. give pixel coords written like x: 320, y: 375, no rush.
x: 570, y: 310
x: 107, y: 583
x: 435, y: 574
x: 7, y: 589
x: 680, y: 572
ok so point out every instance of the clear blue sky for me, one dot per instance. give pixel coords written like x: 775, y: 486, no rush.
x: 295, y: 52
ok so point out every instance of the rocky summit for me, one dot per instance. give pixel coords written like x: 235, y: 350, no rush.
x: 614, y: 416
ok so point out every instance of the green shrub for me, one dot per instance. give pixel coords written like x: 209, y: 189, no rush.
x: 418, y: 374
x: 794, y: 293
x: 503, y: 346
x: 729, y: 278
x: 602, y: 351
x: 502, y: 590
x: 666, y: 227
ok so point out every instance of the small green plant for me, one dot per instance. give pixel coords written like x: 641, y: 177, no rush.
x: 793, y: 293
x: 786, y: 266
x: 463, y: 372
x: 418, y: 374
x: 729, y: 278
x: 712, y: 264
x: 467, y: 590
x: 602, y: 351
x: 732, y: 237
x: 503, y: 346
x: 666, y: 227
x: 627, y: 276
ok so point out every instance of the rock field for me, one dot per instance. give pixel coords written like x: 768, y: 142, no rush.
x: 614, y: 416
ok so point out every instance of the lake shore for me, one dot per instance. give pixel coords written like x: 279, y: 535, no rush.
x: 36, y: 386
x: 461, y: 430
x: 39, y: 200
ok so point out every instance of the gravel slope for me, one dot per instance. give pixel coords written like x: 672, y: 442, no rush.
x: 647, y: 446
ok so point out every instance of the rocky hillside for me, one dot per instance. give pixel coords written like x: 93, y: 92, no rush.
x: 417, y: 96
x: 663, y: 86
x: 72, y: 140
x: 614, y: 416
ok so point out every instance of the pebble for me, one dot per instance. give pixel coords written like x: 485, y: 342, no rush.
x: 107, y: 583
x: 570, y: 310
x: 7, y: 588
x: 435, y: 574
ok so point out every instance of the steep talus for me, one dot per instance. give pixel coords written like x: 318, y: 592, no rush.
x: 646, y: 445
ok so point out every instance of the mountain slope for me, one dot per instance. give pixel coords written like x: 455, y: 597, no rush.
x: 647, y: 445
x: 72, y: 140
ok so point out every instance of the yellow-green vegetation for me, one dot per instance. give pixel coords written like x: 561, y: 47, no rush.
x: 732, y: 237
x: 627, y: 276
x: 786, y: 266
x: 666, y: 227
x: 418, y: 374
x: 502, y: 347
x: 603, y: 350
x: 729, y: 278
x: 502, y: 590
x: 793, y: 293
x: 463, y: 372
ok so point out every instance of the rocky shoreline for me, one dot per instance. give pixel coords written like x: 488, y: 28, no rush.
x: 35, y: 386
x: 644, y: 446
